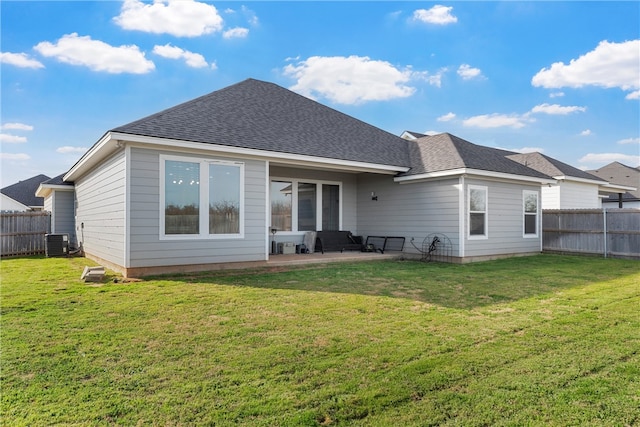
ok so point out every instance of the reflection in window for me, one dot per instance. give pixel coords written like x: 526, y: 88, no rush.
x: 281, y: 194
x: 330, y: 207
x: 306, y: 207
x: 224, y: 199
x: 477, y: 211
x: 530, y: 213
x: 182, y: 198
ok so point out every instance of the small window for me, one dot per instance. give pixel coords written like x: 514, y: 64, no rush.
x: 477, y: 211
x: 530, y: 203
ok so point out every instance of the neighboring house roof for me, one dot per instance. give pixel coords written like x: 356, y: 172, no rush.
x: 259, y: 115
x: 55, y: 183
x: 553, y: 167
x: 618, y: 173
x: 25, y: 191
x: 446, y: 152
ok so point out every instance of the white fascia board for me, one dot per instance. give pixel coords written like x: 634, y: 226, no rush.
x: 292, y: 159
x: 470, y: 173
x: 100, y: 150
x: 615, y: 188
x: 583, y: 180
x: 44, y: 189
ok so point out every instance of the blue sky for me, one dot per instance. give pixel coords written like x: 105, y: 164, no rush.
x: 562, y: 78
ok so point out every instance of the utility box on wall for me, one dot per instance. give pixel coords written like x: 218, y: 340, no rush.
x: 57, y: 245
x: 286, y: 248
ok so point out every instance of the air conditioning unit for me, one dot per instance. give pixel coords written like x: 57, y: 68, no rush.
x: 57, y: 245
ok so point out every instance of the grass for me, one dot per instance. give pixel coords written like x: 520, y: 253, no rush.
x: 545, y: 340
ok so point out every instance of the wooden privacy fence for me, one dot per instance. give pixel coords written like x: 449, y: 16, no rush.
x: 23, y: 233
x: 606, y: 232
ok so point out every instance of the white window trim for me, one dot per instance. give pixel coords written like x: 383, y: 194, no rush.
x: 486, y: 213
x: 204, y: 199
x: 524, y: 214
x: 294, y: 202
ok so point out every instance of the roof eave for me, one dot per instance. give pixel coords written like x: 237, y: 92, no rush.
x: 582, y: 180
x: 45, y: 189
x: 293, y: 159
x: 615, y: 188
x: 472, y: 172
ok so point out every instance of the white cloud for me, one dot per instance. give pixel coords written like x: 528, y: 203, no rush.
x: 633, y: 95
x: 21, y: 60
x: 16, y: 126
x: 180, y: 18
x: 68, y: 149
x: 467, y: 72
x: 608, y: 65
x: 447, y: 117
x: 432, y: 79
x: 16, y: 156
x: 350, y: 80
x: 606, y: 158
x: 97, y: 55
x: 236, y: 33
x: 12, y: 139
x: 585, y: 132
x: 557, y: 109
x: 438, y: 15
x: 250, y: 15
x: 495, y: 120
x: 629, y: 141
x: 556, y: 94
x: 524, y: 150
x: 192, y: 59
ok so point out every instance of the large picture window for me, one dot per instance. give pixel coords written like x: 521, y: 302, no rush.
x: 201, y: 198
x: 478, y: 211
x: 530, y: 204
x: 305, y: 205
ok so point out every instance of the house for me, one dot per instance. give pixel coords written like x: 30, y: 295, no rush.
x: 622, y: 175
x: 21, y: 195
x: 574, y: 188
x: 59, y: 200
x: 202, y: 184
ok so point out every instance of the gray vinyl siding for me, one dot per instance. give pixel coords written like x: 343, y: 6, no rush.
x: 412, y: 210
x: 146, y: 247
x: 505, y: 221
x: 101, y: 208
x: 63, y: 218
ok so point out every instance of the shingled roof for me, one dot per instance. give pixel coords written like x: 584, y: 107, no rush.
x: 551, y: 166
x: 259, y: 115
x: 617, y: 173
x: 445, y: 152
x: 25, y: 191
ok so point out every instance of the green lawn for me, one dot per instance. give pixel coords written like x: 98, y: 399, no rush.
x: 545, y: 340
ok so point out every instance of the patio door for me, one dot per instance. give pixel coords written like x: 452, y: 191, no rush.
x: 330, y: 207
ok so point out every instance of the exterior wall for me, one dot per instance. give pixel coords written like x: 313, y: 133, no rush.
x: 571, y: 195
x: 505, y: 225
x: 551, y: 197
x: 100, y: 220
x: 8, y: 204
x: 348, y: 201
x: 146, y: 249
x: 63, y: 213
x: 412, y: 210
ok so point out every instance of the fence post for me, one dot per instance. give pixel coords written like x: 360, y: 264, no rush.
x: 604, y: 220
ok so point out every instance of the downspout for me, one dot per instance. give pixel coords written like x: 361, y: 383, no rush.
x: 620, y: 200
